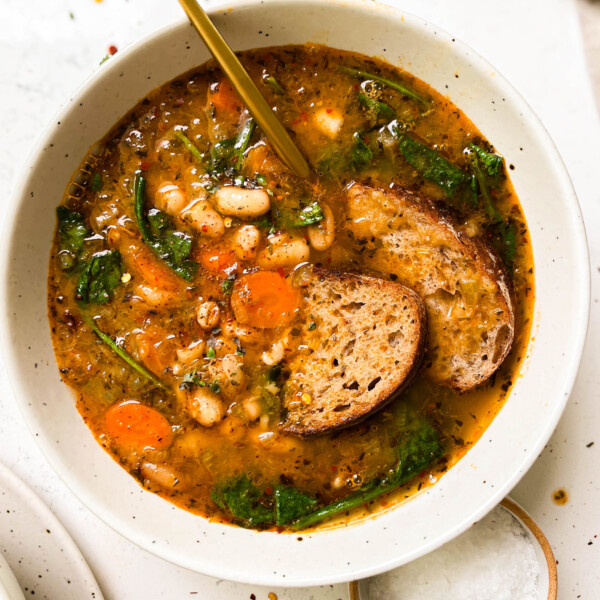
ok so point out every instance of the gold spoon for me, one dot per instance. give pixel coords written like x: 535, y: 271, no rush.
x: 238, y: 76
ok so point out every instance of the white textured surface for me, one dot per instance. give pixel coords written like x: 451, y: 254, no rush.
x: 494, y: 560
x: 46, y: 54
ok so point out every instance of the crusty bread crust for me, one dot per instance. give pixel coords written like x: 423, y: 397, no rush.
x: 363, y: 340
x: 464, y: 284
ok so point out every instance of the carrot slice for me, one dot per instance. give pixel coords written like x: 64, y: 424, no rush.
x: 141, y: 260
x: 138, y: 426
x: 220, y: 263
x: 224, y: 98
x: 264, y: 299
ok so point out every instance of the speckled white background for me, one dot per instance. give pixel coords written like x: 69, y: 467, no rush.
x: 45, y: 53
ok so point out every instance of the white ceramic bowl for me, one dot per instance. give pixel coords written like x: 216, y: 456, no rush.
x: 494, y: 464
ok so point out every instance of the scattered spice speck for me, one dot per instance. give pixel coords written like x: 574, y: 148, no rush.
x: 560, y: 496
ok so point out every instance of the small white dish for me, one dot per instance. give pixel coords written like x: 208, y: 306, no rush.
x: 9, y: 586
x: 489, y: 470
x: 46, y: 563
x: 546, y: 585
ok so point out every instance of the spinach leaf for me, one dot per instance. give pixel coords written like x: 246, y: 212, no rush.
x: 106, y: 339
x: 241, y: 143
x: 395, y: 85
x: 491, y: 163
x: 430, y: 164
x: 289, y: 218
x: 290, y: 504
x: 486, y: 168
x: 230, y: 153
x: 100, y: 277
x: 245, y: 501
x: 72, y: 233
x: 421, y: 450
x: 220, y: 155
x: 361, y: 154
x: 172, y: 246
x: 376, y: 109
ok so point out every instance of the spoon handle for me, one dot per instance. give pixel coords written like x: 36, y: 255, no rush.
x: 245, y: 87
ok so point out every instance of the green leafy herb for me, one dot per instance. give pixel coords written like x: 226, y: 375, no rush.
x: 123, y: 354
x: 312, y: 326
x: 486, y: 169
x: 291, y: 504
x: 72, y: 231
x: 220, y: 155
x: 105, y: 59
x: 245, y: 501
x: 190, y: 146
x: 230, y: 153
x: 308, y: 214
x: 242, y: 142
x: 492, y: 164
x: 100, y: 277
x: 377, y: 109
x: 172, y: 246
x: 261, y: 179
x: 430, y: 164
x: 210, y: 353
x: 227, y: 284
x: 361, y: 155
x: 274, y: 84
x: 96, y: 183
x: 395, y: 85
x: 421, y: 450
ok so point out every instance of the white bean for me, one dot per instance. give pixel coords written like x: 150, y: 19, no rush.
x: 208, y: 314
x: 203, y: 218
x: 252, y: 408
x: 193, y: 352
x: 245, y: 242
x: 231, y: 371
x: 156, y: 296
x: 322, y: 234
x: 275, y: 355
x: 162, y: 475
x: 283, y: 250
x: 329, y: 121
x: 240, y: 202
x: 170, y: 198
x: 205, y: 407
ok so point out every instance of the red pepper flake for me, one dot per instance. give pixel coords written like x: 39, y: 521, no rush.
x: 268, y: 490
x: 329, y: 110
x: 304, y: 116
x: 144, y: 165
x: 365, y: 139
x: 281, y: 272
x: 112, y: 50
x: 334, y: 468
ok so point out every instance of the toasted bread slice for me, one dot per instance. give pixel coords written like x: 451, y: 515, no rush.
x: 362, y: 342
x: 463, y: 283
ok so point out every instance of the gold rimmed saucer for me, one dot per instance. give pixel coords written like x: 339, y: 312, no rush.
x: 357, y: 589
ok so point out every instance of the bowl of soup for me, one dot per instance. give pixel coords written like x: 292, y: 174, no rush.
x: 285, y: 381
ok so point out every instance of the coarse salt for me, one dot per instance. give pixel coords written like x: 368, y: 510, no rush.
x: 494, y: 560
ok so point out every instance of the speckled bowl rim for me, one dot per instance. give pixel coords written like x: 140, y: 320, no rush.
x: 321, y: 560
